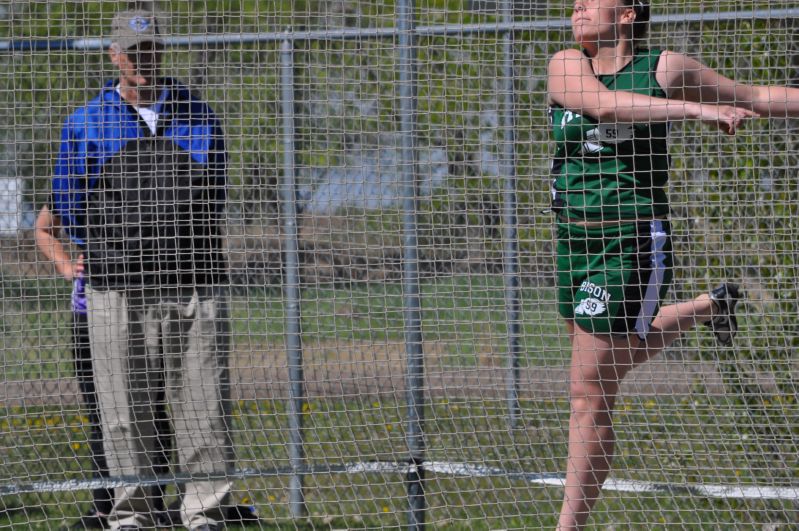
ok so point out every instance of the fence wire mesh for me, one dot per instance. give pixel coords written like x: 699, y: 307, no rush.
x: 393, y: 318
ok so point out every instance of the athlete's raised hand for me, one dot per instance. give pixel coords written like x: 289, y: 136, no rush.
x: 726, y: 118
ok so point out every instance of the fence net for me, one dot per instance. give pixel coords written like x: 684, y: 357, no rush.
x: 381, y: 342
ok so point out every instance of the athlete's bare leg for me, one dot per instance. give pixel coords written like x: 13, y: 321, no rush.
x: 599, y: 364
x: 670, y: 323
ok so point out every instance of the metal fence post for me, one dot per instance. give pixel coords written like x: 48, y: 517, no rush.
x: 291, y: 284
x: 410, y: 283
x: 510, y: 233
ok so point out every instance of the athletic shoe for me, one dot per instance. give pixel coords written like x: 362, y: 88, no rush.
x: 244, y: 515
x: 91, y: 520
x: 724, y: 324
x: 241, y: 514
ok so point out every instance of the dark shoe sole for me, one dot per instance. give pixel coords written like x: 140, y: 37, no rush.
x: 91, y: 521
x: 236, y: 514
x: 725, y: 324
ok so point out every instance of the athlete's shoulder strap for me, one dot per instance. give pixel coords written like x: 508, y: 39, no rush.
x: 652, y: 56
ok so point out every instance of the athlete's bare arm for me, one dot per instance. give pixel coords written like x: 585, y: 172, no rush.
x: 686, y: 78
x: 572, y: 84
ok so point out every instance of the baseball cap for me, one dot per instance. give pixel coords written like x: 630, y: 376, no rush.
x: 133, y: 27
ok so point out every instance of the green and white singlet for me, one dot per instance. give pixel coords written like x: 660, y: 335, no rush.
x: 613, y: 277
x: 612, y: 171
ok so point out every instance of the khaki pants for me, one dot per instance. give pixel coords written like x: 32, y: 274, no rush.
x: 176, y: 341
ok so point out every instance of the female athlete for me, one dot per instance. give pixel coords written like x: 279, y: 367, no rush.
x: 610, y: 105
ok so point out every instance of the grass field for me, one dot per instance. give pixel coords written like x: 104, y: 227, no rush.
x: 681, y: 440
x: 657, y: 443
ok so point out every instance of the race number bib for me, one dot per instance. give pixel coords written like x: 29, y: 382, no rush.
x: 610, y: 133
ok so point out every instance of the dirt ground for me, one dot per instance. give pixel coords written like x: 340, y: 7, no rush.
x: 342, y: 369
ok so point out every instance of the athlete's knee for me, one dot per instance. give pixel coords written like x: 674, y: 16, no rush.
x: 595, y: 379
x: 589, y: 397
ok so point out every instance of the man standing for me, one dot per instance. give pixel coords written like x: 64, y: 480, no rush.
x: 139, y: 184
x: 47, y: 231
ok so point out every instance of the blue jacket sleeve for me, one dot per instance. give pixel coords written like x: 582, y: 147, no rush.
x: 69, y: 183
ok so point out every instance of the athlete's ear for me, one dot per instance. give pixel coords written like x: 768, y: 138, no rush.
x: 628, y: 16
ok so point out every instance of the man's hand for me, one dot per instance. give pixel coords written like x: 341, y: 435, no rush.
x: 70, y: 270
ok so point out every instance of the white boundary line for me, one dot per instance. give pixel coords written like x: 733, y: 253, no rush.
x: 739, y: 492
x: 751, y: 492
x: 552, y: 479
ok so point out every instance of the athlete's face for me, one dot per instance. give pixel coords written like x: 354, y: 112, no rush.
x: 600, y: 21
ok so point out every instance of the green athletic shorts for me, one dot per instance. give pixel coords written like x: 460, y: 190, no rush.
x: 612, y: 279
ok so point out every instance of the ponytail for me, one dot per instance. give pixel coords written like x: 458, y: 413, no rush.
x: 642, y: 15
